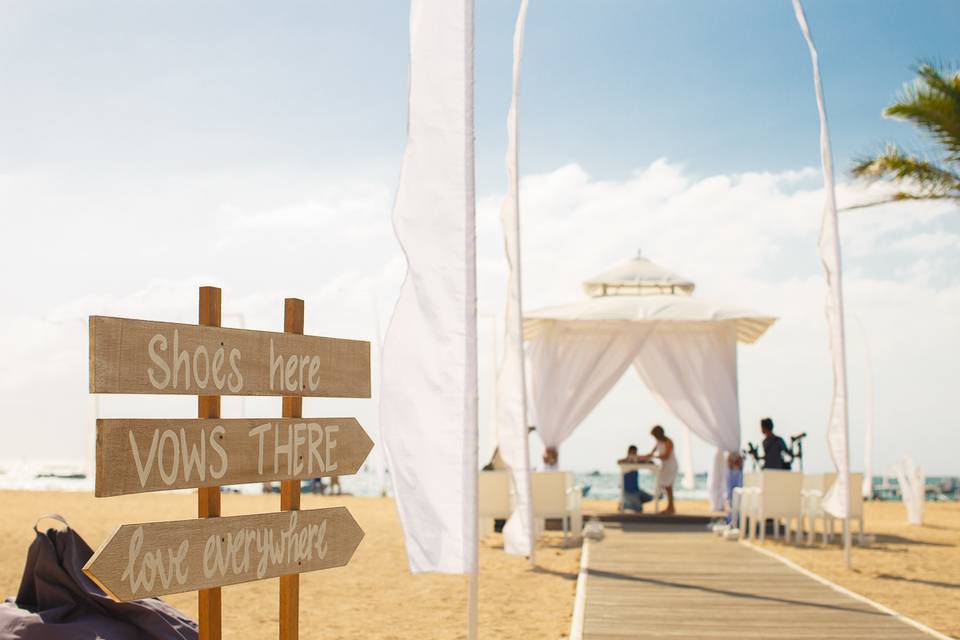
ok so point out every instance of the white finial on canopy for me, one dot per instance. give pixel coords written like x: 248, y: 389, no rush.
x: 636, y: 277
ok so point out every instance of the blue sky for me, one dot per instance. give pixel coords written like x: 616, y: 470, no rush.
x: 149, y: 147
x: 158, y: 86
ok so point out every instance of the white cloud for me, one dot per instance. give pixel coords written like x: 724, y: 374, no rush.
x: 76, y: 249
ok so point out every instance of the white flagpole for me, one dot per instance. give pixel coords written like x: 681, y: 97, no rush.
x: 837, y: 500
x: 867, y: 488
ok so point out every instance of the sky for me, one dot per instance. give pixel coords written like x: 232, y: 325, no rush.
x: 149, y: 148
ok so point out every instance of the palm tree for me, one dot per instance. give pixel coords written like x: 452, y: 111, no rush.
x: 932, y: 103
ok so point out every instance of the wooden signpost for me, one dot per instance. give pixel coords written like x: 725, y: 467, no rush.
x: 143, y: 455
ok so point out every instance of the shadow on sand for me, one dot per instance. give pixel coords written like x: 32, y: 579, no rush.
x: 731, y: 594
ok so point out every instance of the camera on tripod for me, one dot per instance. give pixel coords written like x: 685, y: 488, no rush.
x: 792, y: 453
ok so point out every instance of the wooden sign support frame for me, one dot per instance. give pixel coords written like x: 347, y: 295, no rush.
x: 208, y: 498
x: 128, y: 356
x: 290, y: 489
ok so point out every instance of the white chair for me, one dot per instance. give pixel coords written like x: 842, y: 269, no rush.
x: 495, y: 499
x: 745, y: 498
x: 772, y: 495
x: 815, y: 487
x: 856, y: 502
x: 556, y: 495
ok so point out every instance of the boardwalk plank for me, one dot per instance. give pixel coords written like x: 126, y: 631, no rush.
x: 682, y: 582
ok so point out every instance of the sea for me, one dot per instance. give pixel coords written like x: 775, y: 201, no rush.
x: 65, y: 475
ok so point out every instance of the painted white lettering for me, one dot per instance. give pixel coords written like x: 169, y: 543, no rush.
x: 143, y: 470
x: 314, y: 379
x: 314, y: 438
x: 218, y: 380
x: 298, y: 439
x: 235, y: 380
x: 192, y: 457
x: 290, y: 373
x: 201, y: 382
x: 159, y: 361
x: 171, y: 436
x: 180, y: 358
x: 331, y: 445
x: 215, y: 436
x: 260, y: 431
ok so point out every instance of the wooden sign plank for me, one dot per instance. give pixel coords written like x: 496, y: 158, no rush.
x: 153, y: 559
x: 141, y: 356
x: 138, y: 456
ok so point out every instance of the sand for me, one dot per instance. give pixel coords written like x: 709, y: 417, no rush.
x: 374, y: 596
x: 913, y: 569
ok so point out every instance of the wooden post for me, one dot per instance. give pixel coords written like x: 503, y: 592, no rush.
x: 290, y: 489
x: 209, y: 497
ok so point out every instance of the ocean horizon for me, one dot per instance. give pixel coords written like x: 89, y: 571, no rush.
x: 72, y: 475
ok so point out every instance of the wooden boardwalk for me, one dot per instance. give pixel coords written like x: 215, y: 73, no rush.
x: 650, y: 581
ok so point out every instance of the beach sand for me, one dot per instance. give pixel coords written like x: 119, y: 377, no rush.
x: 913, y: 569
x: 374, y: 596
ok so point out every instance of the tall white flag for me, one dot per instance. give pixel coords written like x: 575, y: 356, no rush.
x: 511, y: 386
x: 428, y: 398
x: 837, y: 500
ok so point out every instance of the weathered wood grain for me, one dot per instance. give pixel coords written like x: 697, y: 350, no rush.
x: 142, y: 356
x: 662, y: 581
x: 209, y: 601
x: 292, y: 407
x: 139, y: 456
x: 153, y: 559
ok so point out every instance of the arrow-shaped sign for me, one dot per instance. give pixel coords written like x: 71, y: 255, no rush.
x: 152, y: 559
x: 136, y: 456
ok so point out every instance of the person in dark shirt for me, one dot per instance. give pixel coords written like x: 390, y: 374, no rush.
x: 775, y: 452
x: 633, y: 495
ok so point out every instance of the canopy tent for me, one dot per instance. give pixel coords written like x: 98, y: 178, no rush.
x: 684, y: 349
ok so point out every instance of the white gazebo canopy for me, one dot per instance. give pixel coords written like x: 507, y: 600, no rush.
x: 684, y: 349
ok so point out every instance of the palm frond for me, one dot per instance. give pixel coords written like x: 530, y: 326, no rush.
x: 931, y: 181
x: 932, y: 102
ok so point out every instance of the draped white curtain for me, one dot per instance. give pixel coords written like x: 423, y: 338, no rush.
x: 690, y: 367
x: 692, y: 370
x: 573, y: 366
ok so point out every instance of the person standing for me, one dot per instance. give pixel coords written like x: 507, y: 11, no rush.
x: 663, y: 451
x: 775, y: 452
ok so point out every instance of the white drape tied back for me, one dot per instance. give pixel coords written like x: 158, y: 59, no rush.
x: 689, y: 367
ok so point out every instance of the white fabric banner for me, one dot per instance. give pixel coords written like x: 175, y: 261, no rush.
x: 912, y: 488
x: 692, y: 371
x: 511, y: 387
x: 837, y: 500
x: 428, y: 399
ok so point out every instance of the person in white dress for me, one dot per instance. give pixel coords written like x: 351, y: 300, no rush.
x: 663, y: 451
